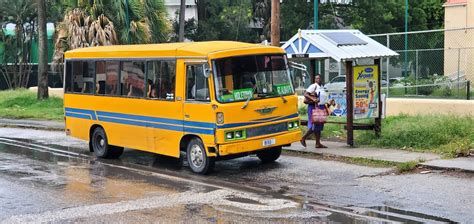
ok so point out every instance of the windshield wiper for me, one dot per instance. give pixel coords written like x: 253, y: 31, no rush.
x: 248, y: 99
x: 282, y: 97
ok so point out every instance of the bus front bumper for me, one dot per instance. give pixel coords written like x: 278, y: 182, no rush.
x: 248, y: 146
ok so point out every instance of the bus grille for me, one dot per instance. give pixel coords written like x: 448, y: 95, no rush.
x: 267, y: 129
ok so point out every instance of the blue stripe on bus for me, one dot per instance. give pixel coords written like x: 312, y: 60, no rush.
x: 199, y: 124
x: 82, y: 111
x: 76, y: 115
x: 140, y: 118
x: 199, y: 130
x: 234, y: 125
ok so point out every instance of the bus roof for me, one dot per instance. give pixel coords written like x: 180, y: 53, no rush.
x: 212, y: 49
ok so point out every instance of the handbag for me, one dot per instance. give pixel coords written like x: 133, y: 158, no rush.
x: 308, y: 100
x: 319, y: 116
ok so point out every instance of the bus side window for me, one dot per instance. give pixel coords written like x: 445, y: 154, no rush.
x: 161, y: 79
x: 196, y: 84
x: 100, y: 77
x: 112, y: 77
x: 77, y: 77
x: 68, y: 77
x: 132, y: 78
x: 88, y: 69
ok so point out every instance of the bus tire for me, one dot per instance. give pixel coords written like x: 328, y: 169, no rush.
x: 269, y: 155
x: 197, y: 157
x: 101, y: 147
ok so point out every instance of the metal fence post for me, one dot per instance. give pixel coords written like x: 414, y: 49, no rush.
x: 459, y: 69
x: 468, y: 88
x: 416, y: 72
x: 388, y: 65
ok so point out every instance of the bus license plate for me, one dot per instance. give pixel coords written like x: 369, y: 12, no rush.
x: 268, y: 142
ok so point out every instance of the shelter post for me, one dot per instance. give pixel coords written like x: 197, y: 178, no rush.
x: 349, y: 103
x: 378, y: 120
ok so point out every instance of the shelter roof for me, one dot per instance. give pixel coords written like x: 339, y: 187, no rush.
x: 341, y: 45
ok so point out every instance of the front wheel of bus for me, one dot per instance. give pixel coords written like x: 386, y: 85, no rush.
x: 197, y: 157
x: 269, y: 155
x: 101, y: 147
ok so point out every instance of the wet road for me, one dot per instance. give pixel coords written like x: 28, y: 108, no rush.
x: 48, y: 177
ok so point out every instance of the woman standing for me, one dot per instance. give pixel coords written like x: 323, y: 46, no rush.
x: 316, y: 95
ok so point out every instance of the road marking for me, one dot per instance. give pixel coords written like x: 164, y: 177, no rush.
x: 215, y: 198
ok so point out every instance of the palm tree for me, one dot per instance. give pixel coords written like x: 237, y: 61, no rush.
x: 79, y: 30
x: 42, y: 51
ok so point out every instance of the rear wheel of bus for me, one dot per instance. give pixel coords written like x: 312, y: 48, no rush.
x: 197, y: 157
x: 269, y: 155
x: 101, y: 147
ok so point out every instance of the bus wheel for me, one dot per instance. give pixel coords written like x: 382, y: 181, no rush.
x: 101, y: 147
x: 197, y: 157
x: 269, y: 155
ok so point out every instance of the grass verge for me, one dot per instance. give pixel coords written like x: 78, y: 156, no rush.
x: 21, y: 103
x: 447, y: 135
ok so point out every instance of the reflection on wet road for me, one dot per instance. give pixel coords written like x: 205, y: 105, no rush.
x: 49, y: 177
x: 37, y: 186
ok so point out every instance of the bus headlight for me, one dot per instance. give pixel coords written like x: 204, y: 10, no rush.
x: 238, y: 134
x: 235, y: 135
x: 292, y: 125
x: 229, y: 135
x: 220, y: 117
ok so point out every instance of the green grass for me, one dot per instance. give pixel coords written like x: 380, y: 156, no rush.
x: 407, y: 166
x: 370, y: 162
x: 449, y: 136
x: 21, y: 104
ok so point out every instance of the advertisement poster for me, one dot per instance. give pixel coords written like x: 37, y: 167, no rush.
x: 340, y: 109
x: 366, y: 101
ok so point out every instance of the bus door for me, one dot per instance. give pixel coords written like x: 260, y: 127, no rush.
x: 198, y: 114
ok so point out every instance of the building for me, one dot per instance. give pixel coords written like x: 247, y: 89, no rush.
x: 172, y: 6
x: 459, y: 43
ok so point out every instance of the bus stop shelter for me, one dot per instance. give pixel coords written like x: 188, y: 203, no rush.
x: 347, y: 47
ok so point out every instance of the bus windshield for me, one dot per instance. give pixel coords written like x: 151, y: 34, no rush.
x: 251, y: 77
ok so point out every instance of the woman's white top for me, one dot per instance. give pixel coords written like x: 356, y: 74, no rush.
x: 323, y: 96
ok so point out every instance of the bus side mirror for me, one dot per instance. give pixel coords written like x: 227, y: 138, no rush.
x: 207, y: 70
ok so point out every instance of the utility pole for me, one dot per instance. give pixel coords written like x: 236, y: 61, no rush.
x: 182, y: 11
x: 43, y: 52
x: 275, y: 23
x: 406, y: 39
x: 316, y: 14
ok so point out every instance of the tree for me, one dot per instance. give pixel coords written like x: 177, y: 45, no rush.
x: 182, y: 10
x: 79, y: 30
x: 223, y: 20
x: 42, y: 51
x: 16, y: 67
x: 135, y: 21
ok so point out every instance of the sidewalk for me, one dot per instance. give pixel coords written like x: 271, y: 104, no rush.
x: 32, y: 124
x: 342, y: 150
x: 335, y: 149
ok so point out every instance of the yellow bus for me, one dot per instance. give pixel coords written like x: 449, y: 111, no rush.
x: 210, y: 100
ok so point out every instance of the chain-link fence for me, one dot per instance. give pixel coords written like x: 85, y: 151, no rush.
x: 433, y: 63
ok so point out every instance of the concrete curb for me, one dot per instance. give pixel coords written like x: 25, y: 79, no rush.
x: 58, y: 126
x: 26, y: 126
